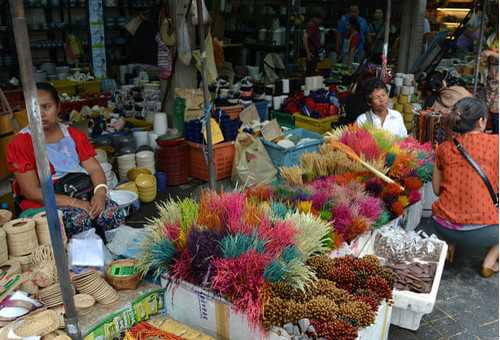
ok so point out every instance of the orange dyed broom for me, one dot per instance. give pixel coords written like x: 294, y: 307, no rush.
x: 351, y: 154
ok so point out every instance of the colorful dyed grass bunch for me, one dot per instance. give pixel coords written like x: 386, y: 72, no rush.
x: 404, y: 157
x: 344, y: 299
x: 348, y: 207
x: 230, y: 245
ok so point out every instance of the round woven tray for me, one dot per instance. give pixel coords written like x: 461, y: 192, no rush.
x: 5, y: 216
x: 4, y: 253
x: 42, y: 227
x: 84, y: 301
x: 21, y: 236
x: 38, y: 324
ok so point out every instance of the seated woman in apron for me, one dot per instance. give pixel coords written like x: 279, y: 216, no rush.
x: 69, y: 152
x: 380, y: 115
x: 465, y: 213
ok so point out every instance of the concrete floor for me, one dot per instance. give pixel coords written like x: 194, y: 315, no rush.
x: 466, y: 306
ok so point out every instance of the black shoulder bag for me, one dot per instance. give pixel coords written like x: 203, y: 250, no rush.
x: 76, y: 184
x: 480, y: 172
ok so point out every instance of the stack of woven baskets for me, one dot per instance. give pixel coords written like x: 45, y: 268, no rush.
x: 20, y: 237
x: 5, y: 216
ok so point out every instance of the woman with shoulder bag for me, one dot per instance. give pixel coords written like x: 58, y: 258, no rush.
x: 466, y: 181
x: 79, y: 181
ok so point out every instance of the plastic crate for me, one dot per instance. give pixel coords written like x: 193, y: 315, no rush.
x: 89, y: 87
x: 65, y: 86
x: 409, y: 307
x: 232, y: 111
x: 284, y: 119
x: 262, y: 109
x: 223, y: 155
x: 312, y: 124
x: 173, y: 159
x: 290, y: 157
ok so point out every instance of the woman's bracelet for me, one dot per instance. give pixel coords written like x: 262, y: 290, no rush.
x: 99, y: 186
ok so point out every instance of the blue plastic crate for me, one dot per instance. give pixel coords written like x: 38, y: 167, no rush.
x: 290, y: 157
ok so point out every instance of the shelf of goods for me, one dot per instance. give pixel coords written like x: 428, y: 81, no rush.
x: 200, y: 309
x: 409, y: 307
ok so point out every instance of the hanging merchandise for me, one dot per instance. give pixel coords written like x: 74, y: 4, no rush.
x: 167, y: 32
x: 165, y: 58
x: 210, y: 66
x: 194, y: 13
x: 184, y: 43
x: 134, y: 24
x: 73, y: 48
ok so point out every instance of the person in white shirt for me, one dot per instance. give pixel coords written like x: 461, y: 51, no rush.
x: 380, y: 115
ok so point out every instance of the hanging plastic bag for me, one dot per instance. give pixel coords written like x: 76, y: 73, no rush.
x: 194, y: 12
x: 252, y: 164
x: 210, y: 59
x: 184, y: 43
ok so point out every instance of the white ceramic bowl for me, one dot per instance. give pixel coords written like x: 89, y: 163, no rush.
x: 123, y: 198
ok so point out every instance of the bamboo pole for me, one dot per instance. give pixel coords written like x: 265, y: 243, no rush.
x: 42, y: 163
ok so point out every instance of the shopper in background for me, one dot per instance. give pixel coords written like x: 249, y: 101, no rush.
x: 312, y: 40
x: 352, y: 43
x: 376, y: 31
x: 69, y: 151
x: 343, y: 34
x: 439, y: 97
x: 465, y: 213
x: 380, y: 115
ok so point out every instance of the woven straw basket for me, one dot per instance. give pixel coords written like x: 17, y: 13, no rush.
x: 5, y: 216
x: 25, y: 262
x: 21, y: 236
x: 42, y: 228
x: 4, y: 253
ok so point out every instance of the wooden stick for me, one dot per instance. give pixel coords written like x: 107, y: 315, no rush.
x: 350, y: 153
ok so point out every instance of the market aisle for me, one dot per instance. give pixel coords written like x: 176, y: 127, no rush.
x: 466, y: 306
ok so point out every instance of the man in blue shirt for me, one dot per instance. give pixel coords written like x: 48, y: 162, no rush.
x: 342, y: 29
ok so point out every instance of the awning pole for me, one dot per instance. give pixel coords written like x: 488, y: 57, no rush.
x: 387, y: 31
x: 206, y: 95
x: 480, y: 46
x: 42, y: 163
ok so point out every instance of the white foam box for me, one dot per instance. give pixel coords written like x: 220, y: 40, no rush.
x: 410, y: 307
x: 412, y: 216
x: 202, y: 310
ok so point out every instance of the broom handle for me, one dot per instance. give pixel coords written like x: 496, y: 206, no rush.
x: 379, y: 174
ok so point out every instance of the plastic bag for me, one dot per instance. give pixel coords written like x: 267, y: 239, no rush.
x: 194, y: 12
x: 184, y: 44
x: 210, y: 66
x: 252, y: 164
x: 125, y: 241
x: 86, y: 249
